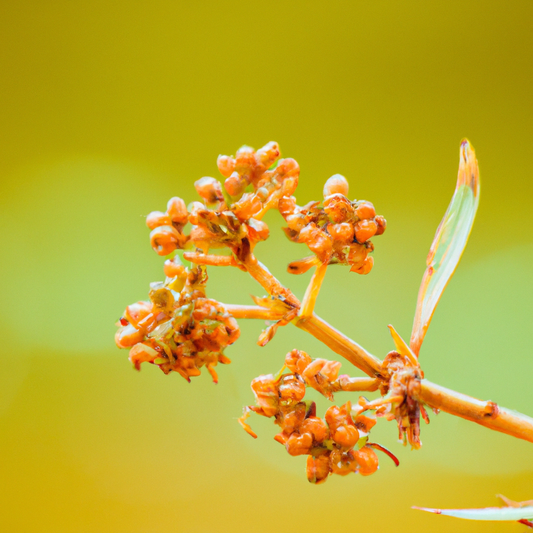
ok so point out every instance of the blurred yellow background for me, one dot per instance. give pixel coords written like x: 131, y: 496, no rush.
x: 110, y: 108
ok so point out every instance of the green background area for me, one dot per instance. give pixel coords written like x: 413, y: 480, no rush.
x: 109, y: 109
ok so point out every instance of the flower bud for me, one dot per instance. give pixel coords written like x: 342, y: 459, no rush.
x: 342, y: 463
x: 318, y: 468
x: 257, y: 230
x: 128, y: 336
x: 172, y: 269
x: 156, y: 219
x: 365, y: 267
x: 316, y: 427
x: 297, y: 360
x: 346, y: 436
x: 244, y: 160
x: 248, y: 206
x: 291, y: 388
x: 286, y: 205
x: 194, y: 209
x: 299, y: 444
x: 357, y: 254
x: 382, y: 225
x: 136, y: 312
x: 164, y: 239
x: 296, y: 222
x: 288, y: 168
x: 226, y: 165
x: 177, y: 210
x: 289, y: 186
x: 365, y: 210
x: 235, y: 184
x: 209, y: 189
x: 318, y: 242
x: 337, y: 184
x: 141, y: 353
x: 367, y: 460
x: 342, y: 233
x: 365, y: 229
x: 267, y: 155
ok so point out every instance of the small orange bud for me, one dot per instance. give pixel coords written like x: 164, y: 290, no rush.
x: 291, y: 388
x: 235, y: 185
x: 156, y: 219
x: 267, y: 155
x: 357, y: 254
x: 244, y: 159
x: 289, y: 186
x: 172, y: 269
x: 128, y: 336
x: 257, y: 230
x: 138, y: 311
x: 382, y: 225
x: 365, y: 229
x: 346, y: 436
x: 337, y: 184
x: 209, y: 189
x: 367, y: 460
x: 286, y: 205
x: 248, y: 206
x: 316, y: 427
x: 342, y: 232
x: 299, y: 444
x: 365, y: 267
x: 342, y: 463
x: 297, y: 360
x: 318, y: 468
x: 365, y: 210
x: 288, y: 168
x: 177, y: 210
x: 164, y: 239
x: 141, y: 353
x: 226, y: 165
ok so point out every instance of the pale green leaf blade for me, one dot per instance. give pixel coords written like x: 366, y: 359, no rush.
x: 449, y: 242
x: 486, y: 513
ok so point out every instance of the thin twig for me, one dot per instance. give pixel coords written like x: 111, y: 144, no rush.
x: 341, y: 344
x: 252, y: 311
x: 311, y: 294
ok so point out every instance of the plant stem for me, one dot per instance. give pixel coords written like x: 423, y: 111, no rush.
x: 252, y: 311
x: 341, y: 344
x: 261, y: 274
x: 485, y: 413
x: 311, y: 294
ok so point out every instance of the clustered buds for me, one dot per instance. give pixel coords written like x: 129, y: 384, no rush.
x: 336, y: 444
x: 255, y: 182
x: 179, y: 329
x: 167, y: 228
x: 338, y: 232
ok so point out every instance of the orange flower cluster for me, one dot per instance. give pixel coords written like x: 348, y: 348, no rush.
x: 179, y: 329
x: 230, y: 217
x: 338, y: 232
x: 337, y: 444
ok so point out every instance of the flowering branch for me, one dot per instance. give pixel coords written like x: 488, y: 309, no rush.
x: 180, y: 329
